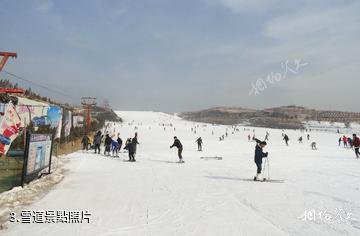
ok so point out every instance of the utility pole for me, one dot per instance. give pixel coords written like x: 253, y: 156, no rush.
x: 88, y: 103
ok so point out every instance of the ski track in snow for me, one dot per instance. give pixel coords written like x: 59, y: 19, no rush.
x: 157, y: 196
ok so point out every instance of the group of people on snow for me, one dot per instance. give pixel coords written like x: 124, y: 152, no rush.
x: 111, y: 145
x: 353, y: 143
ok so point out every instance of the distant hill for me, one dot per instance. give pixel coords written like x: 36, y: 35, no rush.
x: 285, y: 117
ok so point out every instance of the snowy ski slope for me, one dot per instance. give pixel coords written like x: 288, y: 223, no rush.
x: 156, y: 196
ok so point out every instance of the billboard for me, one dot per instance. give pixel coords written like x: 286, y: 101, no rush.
x: 38, y: 153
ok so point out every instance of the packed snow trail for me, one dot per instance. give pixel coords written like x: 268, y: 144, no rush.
x: 157, y: 196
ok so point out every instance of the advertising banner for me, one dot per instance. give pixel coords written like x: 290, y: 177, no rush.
x: 32, y: 111
x: 67, y: 122
x: 78, y: 121
x: 54, y: 117
x: 9, y: 127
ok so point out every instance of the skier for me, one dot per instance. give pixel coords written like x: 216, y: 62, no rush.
x: 339, y: 141
x: 130, y: 147
x: 199, y: 143
x: 259, y: 155
x: 85, y: 142
x: 286, y: 138
x: 107, y: 145
x: 356, y: 144
x: 313, y: 146
x: 300, y: 139
x: 249, y: 138
x: 308, y: 137
x: 97, y: 141
x: 114, y: 147
x: 350, y: 141
x: 135, y: 143
x: 179, y: 146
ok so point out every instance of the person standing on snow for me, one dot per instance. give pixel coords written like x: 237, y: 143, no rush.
x: 130, y: 147
x: 356, y: 144
x: 199, y: 143
x: 259, y: 155
x: 85, y: 142
x: 135, y: 143
x: 107, y: 145
x: 286, y: 138
x: 350, y: 141
x: 300, y: 139
x: 97, y: 141
x: 179, y: 146
x: 114, y: 147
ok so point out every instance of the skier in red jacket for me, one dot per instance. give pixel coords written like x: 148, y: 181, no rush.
x: 356, y: 144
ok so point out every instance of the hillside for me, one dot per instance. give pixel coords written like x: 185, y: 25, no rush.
x: 286, y: 117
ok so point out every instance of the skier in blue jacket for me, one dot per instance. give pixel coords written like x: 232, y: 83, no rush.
x: 259, y: 155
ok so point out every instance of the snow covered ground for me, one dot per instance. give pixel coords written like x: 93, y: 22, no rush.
x: 157, y: 196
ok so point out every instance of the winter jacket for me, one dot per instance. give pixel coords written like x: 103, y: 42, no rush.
x: 97, y: 139
x: 134, y: 142
x: 356, y: 142
x: 130, y: 147
x: 259, y: 154
x: 114, y: 144
x: 177, y: 144
x: 85, y: 140
x: 108, y: 141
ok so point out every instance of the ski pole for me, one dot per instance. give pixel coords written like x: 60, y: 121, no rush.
x: 263, y: 172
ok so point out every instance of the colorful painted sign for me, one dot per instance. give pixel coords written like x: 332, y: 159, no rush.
x: 9, y: 127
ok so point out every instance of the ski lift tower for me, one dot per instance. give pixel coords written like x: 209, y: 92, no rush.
x: 5, y: 56
x: 88, y: 103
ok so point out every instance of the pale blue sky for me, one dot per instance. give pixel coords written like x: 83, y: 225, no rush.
x: 180, y: 55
